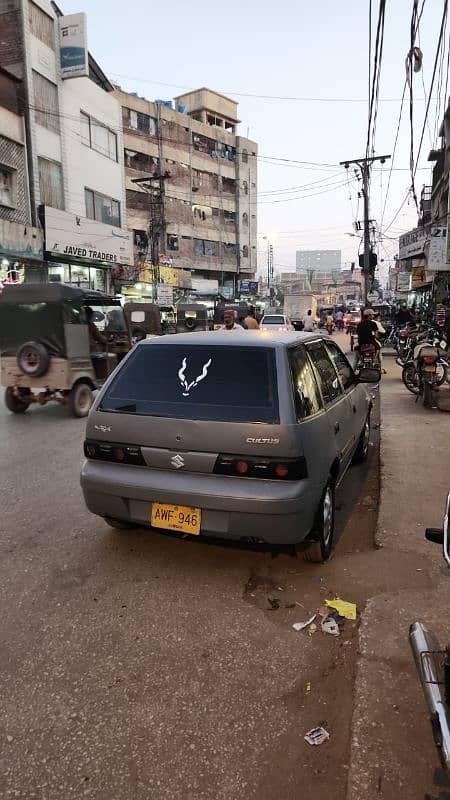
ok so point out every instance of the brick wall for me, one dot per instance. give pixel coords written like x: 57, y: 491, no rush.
x: 11, y: 50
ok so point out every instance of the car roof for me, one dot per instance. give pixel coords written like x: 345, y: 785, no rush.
x: 237, y: 338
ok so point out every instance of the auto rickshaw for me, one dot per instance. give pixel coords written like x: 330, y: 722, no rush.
x: 144, y: 319
x: 192, y: 317
x: 58, y: 342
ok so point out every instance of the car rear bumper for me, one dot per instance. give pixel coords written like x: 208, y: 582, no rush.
x: 276, y: 512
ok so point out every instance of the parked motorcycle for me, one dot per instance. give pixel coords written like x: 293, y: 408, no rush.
x: 410, y: 373
x: 430, y: 371
x: 433, y: 662
x: 368, y: 358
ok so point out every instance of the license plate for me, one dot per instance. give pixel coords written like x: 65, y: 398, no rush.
x: 176, y: 518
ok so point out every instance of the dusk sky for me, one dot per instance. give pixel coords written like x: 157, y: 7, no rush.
x: 259, y: 53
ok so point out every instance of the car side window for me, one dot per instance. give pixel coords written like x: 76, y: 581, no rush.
x: 342, y: 365
x: 329, y: 381
x: 307, y: 395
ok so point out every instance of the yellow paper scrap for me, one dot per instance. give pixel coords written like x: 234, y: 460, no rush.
x: 345, y: 609
x: 308, y: 687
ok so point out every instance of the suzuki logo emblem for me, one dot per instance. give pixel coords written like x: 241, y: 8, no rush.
x: 177, y: 461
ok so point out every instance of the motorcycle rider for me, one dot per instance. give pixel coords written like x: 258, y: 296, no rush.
x: 367, y: 331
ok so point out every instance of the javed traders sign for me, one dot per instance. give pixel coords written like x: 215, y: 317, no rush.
x: 69, y: 237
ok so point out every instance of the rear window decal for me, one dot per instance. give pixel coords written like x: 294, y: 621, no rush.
x: 188, y: 386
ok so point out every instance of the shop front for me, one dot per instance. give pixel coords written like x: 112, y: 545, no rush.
x: 21, y: 252
x: 145, y: 288
x: 85, y: 253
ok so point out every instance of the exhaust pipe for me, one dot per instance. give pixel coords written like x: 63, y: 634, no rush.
x: 433, y: 666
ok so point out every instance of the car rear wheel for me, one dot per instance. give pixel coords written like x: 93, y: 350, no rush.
x: 321, y: 546
x: 80, y: 399
x: 33, y: 359
x: 14, y: 403
x: 120, y: 524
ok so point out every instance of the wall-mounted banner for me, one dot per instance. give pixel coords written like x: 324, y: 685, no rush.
x: 73, y: 48
x: 69, y: 237
x: 413, y: 242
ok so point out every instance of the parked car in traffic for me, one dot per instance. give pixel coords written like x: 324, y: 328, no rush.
x: 276, y: 322
x: 238, y: 437
x: 58, y: 342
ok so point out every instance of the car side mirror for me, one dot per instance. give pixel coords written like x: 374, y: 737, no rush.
x: 369, y: 375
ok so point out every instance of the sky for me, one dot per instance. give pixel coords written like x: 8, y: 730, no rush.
x: 314, y: 53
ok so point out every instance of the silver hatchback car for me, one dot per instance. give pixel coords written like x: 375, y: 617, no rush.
x: 241, y: 436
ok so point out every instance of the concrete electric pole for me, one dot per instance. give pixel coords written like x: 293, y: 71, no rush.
x: 364, y: 164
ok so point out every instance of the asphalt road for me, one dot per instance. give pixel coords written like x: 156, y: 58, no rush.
x: 136, y: 665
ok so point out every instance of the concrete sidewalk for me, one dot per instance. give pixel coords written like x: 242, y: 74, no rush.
x: 392, y: 753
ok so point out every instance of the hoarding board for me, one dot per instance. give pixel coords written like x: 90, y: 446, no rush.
x: 71, y: 237
x: 73, y: 48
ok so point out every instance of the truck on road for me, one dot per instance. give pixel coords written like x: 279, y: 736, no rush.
x: 297, y: 305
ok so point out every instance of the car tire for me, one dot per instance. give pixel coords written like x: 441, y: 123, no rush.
x: 362, y: 449
x: 33, y: 359
x: 120, y: 524
x: 13, y: 403
x: 321, y: 547
x: 80, y: 399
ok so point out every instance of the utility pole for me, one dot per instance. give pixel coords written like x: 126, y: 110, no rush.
x: 364, y: 164
x: 154, y: 186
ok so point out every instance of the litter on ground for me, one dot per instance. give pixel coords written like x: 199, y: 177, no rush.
x: 343, y: 607
x: 329, y: 625
x: 317, y: 736
x: 298, y: 626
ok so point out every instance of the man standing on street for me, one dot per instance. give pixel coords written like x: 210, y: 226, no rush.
x: 308, y: 322
x: 250, y: 320
x: 229, y: 321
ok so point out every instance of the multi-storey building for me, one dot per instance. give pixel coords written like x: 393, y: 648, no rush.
x: 191, y: 189
x: 21, y: 244
x: 73, y: 126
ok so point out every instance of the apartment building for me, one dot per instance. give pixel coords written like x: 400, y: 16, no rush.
x: 73, y: 133
x: 191, y: 189
x: 21, y: 244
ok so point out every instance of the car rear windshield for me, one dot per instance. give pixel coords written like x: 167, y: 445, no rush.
x: 225, y: 383
x: 273, y: 319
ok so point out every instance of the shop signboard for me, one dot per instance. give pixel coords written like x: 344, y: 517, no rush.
x: 437, y: 252
x: 413, y: 243
x: 248, y: 287
x: 164, y: 295
x: 73, y: 48
x: 69, y: 237
x: 418, y: 276
x: 403, y: 281
x: 205, y: 285
x: 20, y: 242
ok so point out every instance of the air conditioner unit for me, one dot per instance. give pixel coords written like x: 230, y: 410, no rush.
x: 195, y: 188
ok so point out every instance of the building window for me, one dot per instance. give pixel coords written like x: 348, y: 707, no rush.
x: 51, y: 183
x: 141, y: 122
x: 244, y: 157
x: 140, y: 161
x: 204, y: 247
x: 102, y: 208
x: 245, y: 218
x: 41, y: 25
x: 172, y: 242
x: 8, y: 186
x: 46, y: 108
x: 98, y: 137
x: 245, y: 187
x: 245, y: 251
x: 229, y: 216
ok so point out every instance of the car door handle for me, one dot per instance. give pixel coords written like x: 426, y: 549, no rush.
x: 337, y: 427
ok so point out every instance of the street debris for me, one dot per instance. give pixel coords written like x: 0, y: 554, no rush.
x: 317, y: 736
x: 343, y: 607
x: 274, y: 603
x: 299, y: 626
x: 312, y: 629
x: 307, y: 687
x: 329, y: 625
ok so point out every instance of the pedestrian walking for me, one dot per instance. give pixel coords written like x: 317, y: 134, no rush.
x: 250, y: 321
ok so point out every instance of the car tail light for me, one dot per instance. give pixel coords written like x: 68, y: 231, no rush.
x: 282, y: 328
x: 108, y: 451
x: 291, y: 469
x: 429, y: 359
